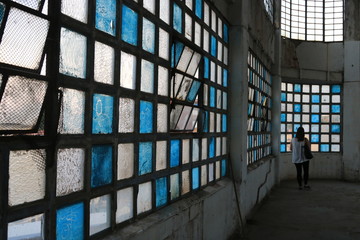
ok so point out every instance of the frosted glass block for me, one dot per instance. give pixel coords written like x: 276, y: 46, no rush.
x: 23, y: 39
x: 161, y: 191
x: 125, y: 164
x: 72, y: 112
x: 206, y: 98
x: 23, y: 228
x: 149, y: 5
x: 100, y: 214
x: 185, y: 151
x: 70, y: 222
x: 289, y: 107
x: 282, y: 138
x: 177, y: 18
x: 212, y: 71
x: 189, y: 4
x: 161, y: 155
x: 283, y: 128
x: 188, y: 26
x: 220, y: 25
x: 226, y: 33
x: 126, y: 115
x: 197, y: 40
x: 21, y: 103
x: 148, y: 36
x: 206, y: 14
x: 219, y: 51
x: 163, y: 87
x: 218, y: 122
x: 315, y: 89
x: 224, y: 100
x: 101, y: 165
x: 165, y: 10
x: 206, y: 40
x: 185, y: 187
x: 315, y: 128
x: 128, y: 70
x: 104, y: 59
x: 174, y: 186
x: 212, y: 97
x: 70, y: 171
x: 163, y: 44
x: 315, y: 147
x: 325, y: 108
x: 195, y: 150
x: 306, y: 108
x: 144, y: 200
x: 290, y: 87
x: 325, y: 138
x: 75, y: 9
x: 102, y: 116
x: 105, y: 16
x: 283, y: 107
x: 297, y: 88
x: 324, y: 148
x: 212, y: 122
x: 219, y: 75
x: 125, y: 204
x: 213, y: 20
x: 217, y: 170
x: 335, y: 138
x: 147, y: 76
x: 204, y: 150
x: 218, y: 98
x: 224, y: 146
x: 289, y: 127
x: 306, y: 118
x: 145, y: 157
x: 289, y: 97
x: 211, y: 172
x: 325, y: 128
x: 203, y: 175
x: 335, y: 147
x: 335, y: 118
x: 306, y: 88
x: 195, y: 178
x: 315, y: 108
x: 129, y: 25
x: 335, y: 98
x: 289, y: 117
x: 218, y: 146
x: 146, y: 117
x: 325, y: 99
x: 162, y: 120
x: 26, y: 176
x: 297, y: 98
x: 325, y: 88
x: 306, y: 98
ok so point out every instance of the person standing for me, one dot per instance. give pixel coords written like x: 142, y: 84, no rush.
x: 298, y: 158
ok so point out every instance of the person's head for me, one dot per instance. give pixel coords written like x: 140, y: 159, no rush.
x: 300, y: 134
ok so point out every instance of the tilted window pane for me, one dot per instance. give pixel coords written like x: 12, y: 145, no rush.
x: 75, y: 9
x: 177, y: 18
x: 27, y: 227
x: 34, y: 4
x: 70, y: 222
x: 23, y: 40
x: 193, y: 119
x: 100, y: 214
x: 105, y: 17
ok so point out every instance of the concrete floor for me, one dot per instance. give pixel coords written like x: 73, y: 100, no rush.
x: 330, y: 210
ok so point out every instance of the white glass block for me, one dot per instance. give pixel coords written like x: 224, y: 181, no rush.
x: 335, y: 98
x: 217, y: 170
x: 162, y: 118
x: 23, y: 228
x: 325, y: 99
x: 197, y: 34
x: 226, y: 56
x: 335, y: 138
x: 26, y: 176
x: 325, y: 128
x: 290, y: 87
x: 283, y: 138
x: 149, y: 5
x: 219, y: 51
x: 165, y: 10
x: 185, y: 151
x: 306, y: 127
x: 161, y: 150
x: 283, y: 107
x: 297, y: 117
x: 315, y: 89
x: 104, y: 63
x: 75, y: 9
x: 224, y: 100
x: 218, y: 122
x: 206, y: 40
x: 203, y: 175
x: 297, y: 98
x: 325, y: 138
x: 211, y: 172
x: 289, y: 97
x: 45, y: 7
x: 213, y: 20
x: 306, y: 88
x: 314, y: 128
x: 206, y: 14
x: 204, y: 149
x: 195, y: 150
x: 188, y: 26
x: 125, y: 164
x: 212, y: 71
x: 306, y: 118
x: 185, y: 187
x: 283, y: 86
x: 283, y: 128
x: 219, y: 75
x: 212, y: 122
x: 306, y: 108
x: 174, y: 186
x: 147, y: 76
x: 289, y: 117
x: 335, y: 147
x: 72, y: 54
x: 163, y: 78
x: 125, y: 204
x: 218, y: 146
x: 218, y: 98
x: 100, y: 214
x: 127, y: 70
x: 206, y: 98
x: 70, y: 171
x: 289, y: 107
x: 306, y: 98
x: 325, y: 89
x: 224, y: 146
x: 163, y: 44
x: 126, y: 115
x: 23, y: 39
x: 144, y: 200
x: 72, y: 112
x: 220, y: 26
x: 335, y: 118
x: 189, y: 4
x: 325, y: 108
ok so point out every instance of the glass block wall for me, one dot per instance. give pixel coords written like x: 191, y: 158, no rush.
x: 317, y: 108
x: 259, y: 110
x: 109, y: 111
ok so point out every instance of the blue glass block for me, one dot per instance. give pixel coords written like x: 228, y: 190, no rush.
x: 335, y: 128
x: 101, y: 165
x: 2, y: 12
x: 315, y: 118
x: 223, y: 167
x: 206, y: 67
x: 296, y: 126
x: 335, y: 88
x: 324, y: 147
x: 148, y: 36
x: 146, y: 117
x: 198, y: 8
x: 70, y: 222
x: 195, y: 178
x: 193, y: 91
x: 161, y: 191
x: 177, y: 18
x: 335, y: 108
x: 129, y: 25
x: 176, y: 51
x: 105, y: 18
x: 174, y: 153
x: 102, y: 116
x: 224, y: 122
x: 145, y: 157
x: 315, y: 98
x: 315, y: 138
x: 297, y: 107
x: 283, y: 117
x: 297, y: 88
x: 226, y: 33
x: 283, y: 97
x: 212, y: 147
x: 212, y: 97
x: 206, y: 121
x: 213, y: 46
x: 225, y: 78
x: 283, y: 148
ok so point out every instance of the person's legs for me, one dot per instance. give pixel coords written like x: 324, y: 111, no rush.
x: 306, y: 172
x: 298, y: 174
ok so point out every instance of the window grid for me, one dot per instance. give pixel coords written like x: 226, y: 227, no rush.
x: 312, y: 20
x: 317, y: 108
x: 259, y: 110
x: 114, y: 104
